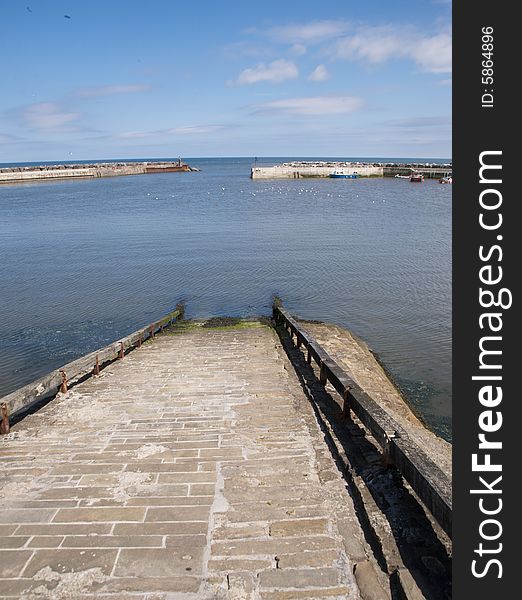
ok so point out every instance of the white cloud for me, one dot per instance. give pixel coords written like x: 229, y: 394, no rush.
x: 110, y: 90
x: 135, y: 134
x: 374, y: 45
x: 275, y: 72
x: 311, y: 32
x: 315, y: 105
x: 298, y: 49
x: 48, y: 116
x: 320, y: 73
x: 183, y: 130
x: 433, y: 53
x: 419, y: 122
x: 194, y: 129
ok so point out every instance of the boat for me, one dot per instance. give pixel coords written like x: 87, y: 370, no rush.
x: 343, y: 175
x: 402, y: 176
x: 446, y: 179
x: 416, y: 177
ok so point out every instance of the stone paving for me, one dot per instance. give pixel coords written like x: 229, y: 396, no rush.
x: 193, y: 468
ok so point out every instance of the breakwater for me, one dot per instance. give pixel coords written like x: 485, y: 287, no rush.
x: 430, y: 171
x: 67, y: 171
x: 306, y: 169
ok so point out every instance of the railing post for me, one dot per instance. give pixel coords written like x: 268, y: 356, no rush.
x: 4, y: 423
x: 96, y: 370
x: 386, y: 459
x: 346, y: 404
x: 63, y: 385
x: 309, y: 356
x: 121, y: 353
x: 322, y: 373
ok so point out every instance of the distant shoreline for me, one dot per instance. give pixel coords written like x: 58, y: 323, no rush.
x: 79, y: 170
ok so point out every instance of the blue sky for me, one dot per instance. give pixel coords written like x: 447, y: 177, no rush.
x: 124, y: 79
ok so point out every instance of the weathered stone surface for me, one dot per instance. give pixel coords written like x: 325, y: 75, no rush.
x: 369, y: 582
x: 65, y: 561
x: 299, y: 578
x: 243, y: 564
x: 298, y: 527
x: 319, y: 558
x: 13, y: 561
x: 340, y: 592
x: 153, y: 562
x: 273, y: 546
x: 173, y: 528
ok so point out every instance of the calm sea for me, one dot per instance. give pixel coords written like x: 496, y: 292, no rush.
x: 86, y: 262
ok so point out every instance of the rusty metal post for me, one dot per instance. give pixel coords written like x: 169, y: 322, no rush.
x: 346, y: 404
x: 386, y: 458
x: 139, y: 342
x: 96, y: 370
x: 4, y: 423
x: 63, y: 385
x: 322, y: 374
x: 151, y: 330
x: 121, y: 353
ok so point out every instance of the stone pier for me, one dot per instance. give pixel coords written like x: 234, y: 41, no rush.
x: 192, y: 468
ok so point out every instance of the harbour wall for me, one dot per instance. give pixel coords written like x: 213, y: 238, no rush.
x: 429, y: 172
x: 304, y: 170
x: 21, y: 174
x: 290, y: 171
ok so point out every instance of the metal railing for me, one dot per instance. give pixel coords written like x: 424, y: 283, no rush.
x: 430, y: 483
x: 61, y: 379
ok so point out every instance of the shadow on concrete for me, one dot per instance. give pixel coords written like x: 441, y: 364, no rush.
x: 378, y: 491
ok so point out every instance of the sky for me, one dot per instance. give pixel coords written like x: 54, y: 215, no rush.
x: 128, y: 79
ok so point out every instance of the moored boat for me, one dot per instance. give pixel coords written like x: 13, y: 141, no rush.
x: 343, y: 175
x: 416, y: 177
x: 446, y: 179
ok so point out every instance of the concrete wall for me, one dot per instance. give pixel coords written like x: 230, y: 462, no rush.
x: 303, y: 171
x: 428, y: 172
x: 21, y: 174
x: 54, y: 174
